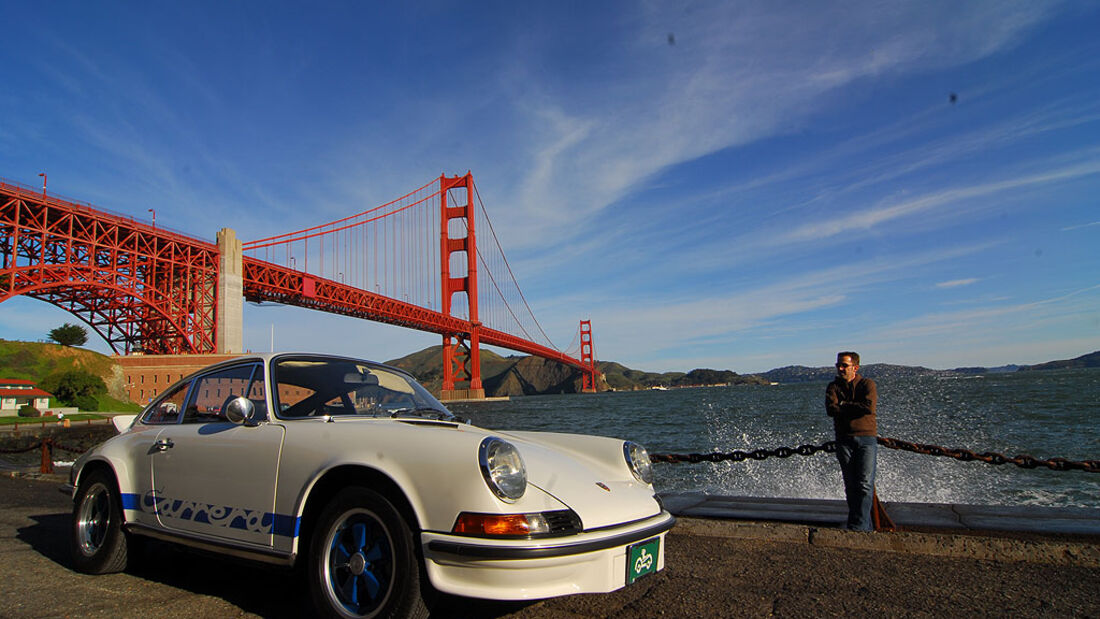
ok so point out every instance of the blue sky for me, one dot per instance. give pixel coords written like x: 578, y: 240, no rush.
x: 735, y: 185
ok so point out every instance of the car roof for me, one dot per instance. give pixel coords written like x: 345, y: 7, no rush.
x: 266, y: 358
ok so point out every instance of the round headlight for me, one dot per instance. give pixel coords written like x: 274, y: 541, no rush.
x: 503, y: 468
x: 637, y: 458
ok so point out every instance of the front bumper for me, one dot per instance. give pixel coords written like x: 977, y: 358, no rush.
x: 589, y: 562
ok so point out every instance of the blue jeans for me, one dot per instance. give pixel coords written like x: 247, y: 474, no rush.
x: 857, y: 455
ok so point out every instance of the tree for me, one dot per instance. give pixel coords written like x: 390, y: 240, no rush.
x: 75, y: 388
x: 69, y: 335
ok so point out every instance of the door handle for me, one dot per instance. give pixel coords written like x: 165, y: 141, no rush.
x: 163, y: 444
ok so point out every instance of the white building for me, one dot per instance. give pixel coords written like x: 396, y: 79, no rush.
x: 15, y: 392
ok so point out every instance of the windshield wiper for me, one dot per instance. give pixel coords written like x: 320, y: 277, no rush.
x: 425, y: 412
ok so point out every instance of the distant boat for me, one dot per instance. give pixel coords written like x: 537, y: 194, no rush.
x: 659, y: 388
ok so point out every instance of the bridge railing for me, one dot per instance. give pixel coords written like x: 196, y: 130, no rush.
x: 55, y: 199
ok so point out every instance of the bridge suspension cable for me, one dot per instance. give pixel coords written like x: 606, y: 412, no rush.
x: 393, y: 250
x: 512, y: 277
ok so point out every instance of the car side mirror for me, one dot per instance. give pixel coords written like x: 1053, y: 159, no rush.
x: 240, y: 410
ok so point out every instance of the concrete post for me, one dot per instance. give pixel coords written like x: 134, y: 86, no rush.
x: 229, y: 323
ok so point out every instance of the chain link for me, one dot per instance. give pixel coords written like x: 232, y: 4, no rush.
x: 741, y: 456
x: 38, y: 445
x: 1022, y: 461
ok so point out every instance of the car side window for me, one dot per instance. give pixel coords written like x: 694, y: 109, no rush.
x: 315, y: 387
x: 168, y: 408
x: 257, y: 393
x: 214, y: 391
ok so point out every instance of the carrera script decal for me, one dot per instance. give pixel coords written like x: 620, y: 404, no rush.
x: 225, y: 516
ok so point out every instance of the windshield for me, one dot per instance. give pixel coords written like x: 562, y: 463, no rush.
x: 318, y: 386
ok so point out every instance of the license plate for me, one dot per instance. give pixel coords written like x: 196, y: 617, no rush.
x: 641, y: 559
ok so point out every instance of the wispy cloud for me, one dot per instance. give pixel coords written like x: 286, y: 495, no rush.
x: 889, y: 211
x: 955, y: 283
x: 716, y: 318
x: 1088, y: 225
x: 701, y: 95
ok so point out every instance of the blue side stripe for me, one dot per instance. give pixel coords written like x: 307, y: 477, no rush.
x: 286, y: 526
x: 278, y: 524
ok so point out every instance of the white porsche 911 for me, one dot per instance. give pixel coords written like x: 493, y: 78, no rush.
x: 355, y: 472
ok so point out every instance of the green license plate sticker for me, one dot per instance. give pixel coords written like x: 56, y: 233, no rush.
x: 641, y: 559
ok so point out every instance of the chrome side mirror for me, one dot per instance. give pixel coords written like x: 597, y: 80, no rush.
x: 240, y: 410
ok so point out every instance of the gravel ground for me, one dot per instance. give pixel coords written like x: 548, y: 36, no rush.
x: 707, y: 574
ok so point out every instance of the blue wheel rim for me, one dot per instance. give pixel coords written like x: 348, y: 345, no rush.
x: 359, y: 563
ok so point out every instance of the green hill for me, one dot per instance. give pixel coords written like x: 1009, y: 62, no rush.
x: 500, y: 376
x: 1091, y: 360
x: 526, y: 375
x: 35, y: 361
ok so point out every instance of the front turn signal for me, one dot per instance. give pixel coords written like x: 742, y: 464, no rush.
x: 500, y: 525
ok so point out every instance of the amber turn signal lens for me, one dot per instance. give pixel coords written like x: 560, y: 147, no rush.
x: 500, y: 525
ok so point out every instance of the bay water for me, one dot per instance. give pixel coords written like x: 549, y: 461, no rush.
x: 1042, y: 413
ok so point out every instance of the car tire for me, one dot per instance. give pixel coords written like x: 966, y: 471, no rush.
x: 362, y: 561
x: 99, y: 546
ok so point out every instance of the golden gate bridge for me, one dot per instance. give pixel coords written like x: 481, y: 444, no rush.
x: 413, y: 262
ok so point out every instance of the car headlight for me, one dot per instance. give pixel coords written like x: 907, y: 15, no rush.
x: 503, y: 468
x: 637, y: 458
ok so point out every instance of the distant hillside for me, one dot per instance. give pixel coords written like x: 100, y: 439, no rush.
x: 35, y: 361
x: 525, y: 375
x: 1091, y: 360
x: 803, y: 374
x: 622, y: 378
x: 1000, y: 369
x: 500, y: 376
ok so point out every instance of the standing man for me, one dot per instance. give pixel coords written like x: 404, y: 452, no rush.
x: 851, y: 400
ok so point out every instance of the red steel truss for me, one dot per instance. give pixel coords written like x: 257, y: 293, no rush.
x: 264, y: 281
x: 142, y: 289
x: 146, y: 289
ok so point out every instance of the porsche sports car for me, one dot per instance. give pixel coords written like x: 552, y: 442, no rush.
x: 354, y: 472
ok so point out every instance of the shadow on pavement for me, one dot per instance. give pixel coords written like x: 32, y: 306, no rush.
x: 49, y: 536
x: 253, y: 588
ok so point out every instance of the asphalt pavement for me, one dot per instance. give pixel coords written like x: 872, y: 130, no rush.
x: 715, y: 567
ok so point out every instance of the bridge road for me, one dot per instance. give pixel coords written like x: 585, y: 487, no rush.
x: 708, y: 574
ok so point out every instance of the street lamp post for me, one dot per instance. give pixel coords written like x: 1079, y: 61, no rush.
x: 154, y: 212
x: 43, y: 175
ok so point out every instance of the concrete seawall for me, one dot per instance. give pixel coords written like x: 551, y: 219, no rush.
x: 1053, y: 535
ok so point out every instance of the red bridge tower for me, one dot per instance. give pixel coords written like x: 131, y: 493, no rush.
x: 461, y: 354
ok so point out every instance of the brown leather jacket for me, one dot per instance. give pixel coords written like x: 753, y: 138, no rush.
x: 852, y: 406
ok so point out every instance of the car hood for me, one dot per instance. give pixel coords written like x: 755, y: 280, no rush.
x: 587, y: 473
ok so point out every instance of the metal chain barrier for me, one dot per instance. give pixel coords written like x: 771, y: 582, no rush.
x: 1023, y: 460
x: 741, y: 456
x: 47, y: 445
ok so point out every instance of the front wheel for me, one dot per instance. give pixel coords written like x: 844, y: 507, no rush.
x: 97, y: 540
x: 362, y: 561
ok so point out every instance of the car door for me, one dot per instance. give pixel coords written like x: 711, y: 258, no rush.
x: 213, y: 477
x: 139, y: 499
